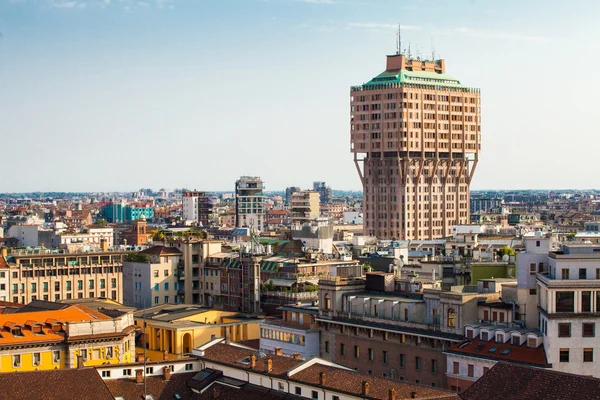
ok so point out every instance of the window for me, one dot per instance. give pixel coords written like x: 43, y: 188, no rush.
x: 356, y: 352
x: 402, y: 360
x: 189, y: 367
x: 315, y: 394
x: 37, y: 359
x: 564, y: 355
x: 109, y: 352
x: 56, y: 356
x: 149, y: 370
x: 335, y: 398
x: 342, y: 349
x: 371, y: 355
x: 327, y: 346
x: 166, y: 299
x: 471, y: 370
x: 565, y: 301
x: 156, y: 286
x: 91, y: 282
x: 597, y: 273
x: 531, y: 268
x: 418, y: 363
x: 16, y: 361
x: 486, y: 369
x: 327, y: 302
x: 455, y: 368
x: 113, y: 283
x: 434, y: 366
x: 102, y: 283
x: 589, y: 329
x: 564, y: 330
x: 106, y: 374
x: 516, y: 341
x: 532, y: 292
x: 155, y: 299
x: 166, y: 272
x: 484, y: 335
x: 586, y: 301
x: 298, y: 391
x: 588, y: 355
x: 156, y: 273
x: 537, y: 243
x: 451, y: 318
x: 166, y: 285
x: 582, y: 273
x: 281, y: 386
x: 127, y: 372
x: 564, y: 273
x: 385, y: 357
x: 79, y: 285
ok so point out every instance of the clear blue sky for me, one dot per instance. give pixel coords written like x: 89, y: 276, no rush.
x: 111, y: 95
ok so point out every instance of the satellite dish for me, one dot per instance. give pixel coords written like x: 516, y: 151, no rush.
x: 505, y: 258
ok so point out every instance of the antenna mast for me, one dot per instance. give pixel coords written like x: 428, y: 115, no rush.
x: 399, y: 41
x: 432, y: 51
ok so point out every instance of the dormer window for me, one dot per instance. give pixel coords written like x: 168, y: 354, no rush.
x: 484, y: 335
x: 16, y: 332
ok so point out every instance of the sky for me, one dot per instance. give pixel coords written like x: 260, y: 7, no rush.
x: 116, y: 95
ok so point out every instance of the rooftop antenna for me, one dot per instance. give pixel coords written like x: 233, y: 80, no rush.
x: 398, y: 41
x: 409, y: 55
x: 432, y: 51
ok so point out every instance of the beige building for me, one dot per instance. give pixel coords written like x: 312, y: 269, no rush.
x: 415, y: 135
x: 46, y: 275
x: 304, y: 206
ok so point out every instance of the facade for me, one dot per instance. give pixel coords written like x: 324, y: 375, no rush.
x: 199, y: 207
x: 93, y: 237
x: 113, y: 212
x: 177, y: 329
x: 569, y: 306
x: 296, y: 334
x: 304, y: 206
x: 485, y: 204
x: 133, y: 213
x: 55, y: 339
x: 137, y: 235
x: 418, y: 131
x: 288, y: 194
x: 249, y: 203
x: 325, y: 192
x: 49, y: 275
x: 146, y: 284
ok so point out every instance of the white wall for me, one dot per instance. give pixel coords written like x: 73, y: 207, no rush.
x: 27, y: 234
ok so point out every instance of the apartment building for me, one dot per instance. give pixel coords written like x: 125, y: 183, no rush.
x: 304, y: 206
x: 569, y: 306
x: 153, y: 278
x: 371, y: 326
x: 57, y: 336
x: 415, y: 135
x: 296, y: 334
x: 199, y: 207
x: 249, y: 203
x: 325, y: 192
x: 54, y: 275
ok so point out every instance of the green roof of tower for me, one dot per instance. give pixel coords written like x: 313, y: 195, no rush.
x: 415, y: 77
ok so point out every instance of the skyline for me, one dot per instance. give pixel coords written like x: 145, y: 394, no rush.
x: 96, y: 91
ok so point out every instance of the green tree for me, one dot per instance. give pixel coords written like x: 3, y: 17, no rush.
x: 137, y: 257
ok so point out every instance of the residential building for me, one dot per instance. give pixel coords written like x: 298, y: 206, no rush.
x: 199, y: 207
x: 418, y: 132
x: 56, y: 336
x: 133, y: 212
x: 152, y: 278
x: 485, y: 204
x: 296, y: 334
x: 569, y: 303
x: 316, y: 235
x: 305, y: 206
x: 249, y: 202
x: 177, y: 329
x: 315, y: 379
x: 487, y: 345
x: 325, y: 192
x: 513, y: 381
x: 137, y: 235
x: 113, y: 212
x: 54, y: 275
x: 89, y: 238
x: 288, y: 194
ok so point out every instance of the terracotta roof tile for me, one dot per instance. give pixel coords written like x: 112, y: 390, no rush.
x: 504, y: 351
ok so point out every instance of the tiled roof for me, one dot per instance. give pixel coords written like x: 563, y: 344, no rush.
x: 155, y: 386
x: 352, y: 383
x: 231, y: 355
x: 161, y: 251
x: 54, y: 384
x: 503, y: 351
x: 507, y: 381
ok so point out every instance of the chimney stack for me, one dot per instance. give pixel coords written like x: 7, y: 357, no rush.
x: 296, y: 356
x: 252, y: 361
x: 365, y: 388
x: 227, y: 336
x: 392, y: 395
x: 139, y: 376
x: 268, y: 365
x: 139, y: 357
x: 165, y: 355
x: 80, y: 361
x: 322, y: 379
x: 277, y: 351
x: 413, y: 395
x: 167, y: 372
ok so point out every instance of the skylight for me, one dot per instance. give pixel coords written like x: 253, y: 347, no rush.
x: 505, y: 352
x: 493, y: 349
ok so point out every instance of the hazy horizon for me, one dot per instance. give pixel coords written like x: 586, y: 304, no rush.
x: 109, y: 96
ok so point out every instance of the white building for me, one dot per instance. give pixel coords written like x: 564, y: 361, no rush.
x: 147, y: 284
x: 27, y: 234
x: 190, y: 208
x: 569, y: 304
x: 353, y: 217
x: 94, y: 237
x: 249, y: 202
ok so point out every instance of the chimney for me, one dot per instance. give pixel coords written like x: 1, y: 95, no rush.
x: 392, y: 395
x: 104, y: 244
x: 227, y: 336
x: 322, y: 379
x: 139, y: 376
x: 165, y: 355
x: 167, y: 372
x: 268, y: 365
x: 4, y: 252
x: 365, y: 388
x: 277, y: 351
x: 296, y: 356
x: 252, y: 361
x: 80, y: 361
x: 413, y: 395
x: 139, y: 357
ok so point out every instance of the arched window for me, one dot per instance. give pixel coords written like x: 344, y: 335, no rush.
x: 451, y: 318
x: 327, y: 302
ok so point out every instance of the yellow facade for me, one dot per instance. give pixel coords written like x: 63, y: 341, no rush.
x: 26, y: 360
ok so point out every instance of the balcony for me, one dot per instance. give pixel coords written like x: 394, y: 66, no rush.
x: 547, y: 280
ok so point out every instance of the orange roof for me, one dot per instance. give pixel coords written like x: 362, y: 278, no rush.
x: 75, y: 313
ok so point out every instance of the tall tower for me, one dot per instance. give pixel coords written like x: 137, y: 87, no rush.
x: 416, y: 135
x: 250, y: 202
